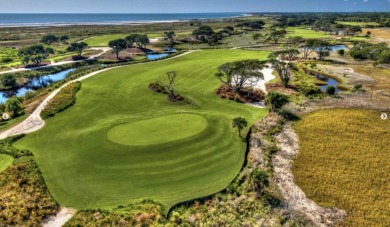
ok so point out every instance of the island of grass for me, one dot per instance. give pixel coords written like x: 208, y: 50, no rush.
x: 344, y: 162
x: 122, y: 143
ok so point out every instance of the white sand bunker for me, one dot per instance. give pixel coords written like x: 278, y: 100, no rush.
x: 261, y: 84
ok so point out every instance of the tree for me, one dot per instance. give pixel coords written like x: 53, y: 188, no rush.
x: 276, y: 100
x: 256, y: 36
x: 240, y: 123
x: 253, y: 25
x: 78, y: 47
x: 64, y: 38
x: 238, y: 74
x: 170, y: 36
x: 49, y: 39
x: 142, y: 41
x: 341, y: 52
x: 322, y: 48
x: 276, y: 35
x: 330, y: 90
x: 308, y: 47
x: 229, y: 29
x: 8, y: 80
x: 117, y: 45
x: 36, y: 54
x: 283, y: 69
x: 130, y: 40
x: 352, y: 30
x: 168, y: 81
x: 203, y: 31
x: 13, y: 105
x: 292, y: 44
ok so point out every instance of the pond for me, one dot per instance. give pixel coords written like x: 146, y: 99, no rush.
x: 338, y: 47
x: 156, y: 56
x: 34, y: 83
x: 330, y: 81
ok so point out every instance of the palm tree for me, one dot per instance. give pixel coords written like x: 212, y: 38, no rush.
x: 240, y: 123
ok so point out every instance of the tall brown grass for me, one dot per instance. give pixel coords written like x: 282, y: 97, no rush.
x: 344, y: 161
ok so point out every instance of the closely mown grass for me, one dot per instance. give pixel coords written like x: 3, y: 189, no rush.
x: 5, y: 161
x: 86, y: 170
x: 24, y: 198
x: 63, y: 100
x: 248, y: 201
x: 306, y: 33
x: 344, y: 162
x: 362, y: 24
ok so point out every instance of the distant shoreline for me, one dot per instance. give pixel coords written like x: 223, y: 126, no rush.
x: 133, y: 19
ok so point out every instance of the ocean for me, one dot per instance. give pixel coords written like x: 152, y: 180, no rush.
x: 13, y: 20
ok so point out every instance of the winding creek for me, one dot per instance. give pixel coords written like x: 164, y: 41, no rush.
x: 35, y: 83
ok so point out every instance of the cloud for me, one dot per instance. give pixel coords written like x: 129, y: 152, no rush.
x: 365, y: 0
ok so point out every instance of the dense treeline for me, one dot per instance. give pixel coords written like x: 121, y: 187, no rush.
x: 307, y: 19
x: 367, y: 51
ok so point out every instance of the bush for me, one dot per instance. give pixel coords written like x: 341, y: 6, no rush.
x: 341, y: 52
x: 357, y: 87
x: 7, y: 148
x: 330, y: 90
x: 63, y: 100
x: 309, y: 90
x: 24, y: 198
x: 6, y: 60
x: 13, y: 106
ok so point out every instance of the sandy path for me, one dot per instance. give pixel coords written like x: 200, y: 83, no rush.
x: 104, y: 50
x: 60, y: 218
x: 295, y: 198
x: 261, y: 84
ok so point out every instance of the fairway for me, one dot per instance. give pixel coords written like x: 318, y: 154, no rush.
x: 5, y: 161
x: 305, y: 33
x: 344, y: 162
x: 122, y: 143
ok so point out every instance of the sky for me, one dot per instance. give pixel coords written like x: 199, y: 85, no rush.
x: 190, y: 6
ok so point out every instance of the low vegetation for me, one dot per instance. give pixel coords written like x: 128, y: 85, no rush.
x: 24, y: 198
x: 343, y: 163
x: 63, y: 100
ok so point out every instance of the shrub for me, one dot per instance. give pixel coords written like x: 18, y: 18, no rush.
x: 13, y: 106
x: 357, y: 87
x: 6, y: 60
x: 63, y: 100
x: 7, y: 148
x: 341, y: 52
x: 330, y: 90
x: 24, y: 198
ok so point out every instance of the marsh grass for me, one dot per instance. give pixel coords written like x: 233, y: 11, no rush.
x: 344, y: 162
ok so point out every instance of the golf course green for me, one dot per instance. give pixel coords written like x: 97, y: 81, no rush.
x: 5, y: 161
x: 122, y: 143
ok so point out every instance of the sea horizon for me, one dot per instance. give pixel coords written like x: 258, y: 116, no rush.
x: 64, y: 19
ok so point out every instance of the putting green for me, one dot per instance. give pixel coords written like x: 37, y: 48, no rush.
x: 5, y: 161
x: 177, y: 161
x: 157, y: 130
